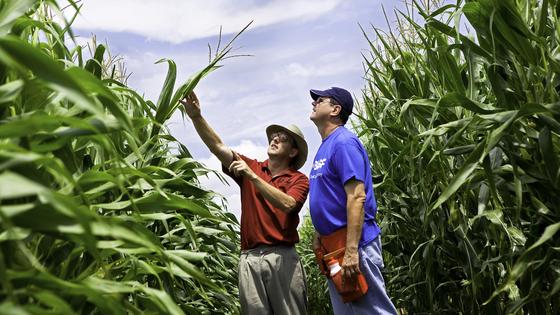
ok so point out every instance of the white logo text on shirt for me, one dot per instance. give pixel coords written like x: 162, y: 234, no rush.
x: 318, y: 164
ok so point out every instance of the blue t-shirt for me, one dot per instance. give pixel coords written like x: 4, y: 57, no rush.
x: 340, y: 158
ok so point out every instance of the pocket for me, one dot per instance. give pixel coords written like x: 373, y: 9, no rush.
x: 371, y: 253
x: 349, y: 289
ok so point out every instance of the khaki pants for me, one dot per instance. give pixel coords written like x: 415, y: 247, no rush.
x: 272, y: 281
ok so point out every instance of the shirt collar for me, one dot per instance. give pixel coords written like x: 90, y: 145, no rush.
x: 335, y: 131
x: 289, y: 171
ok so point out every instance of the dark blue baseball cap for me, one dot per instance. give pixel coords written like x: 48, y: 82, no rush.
x: 340, y: 95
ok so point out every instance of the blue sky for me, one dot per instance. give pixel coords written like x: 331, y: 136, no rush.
x: 296, y: 46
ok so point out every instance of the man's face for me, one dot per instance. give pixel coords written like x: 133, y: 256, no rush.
x: 322, y: 109
x: 282, y: 145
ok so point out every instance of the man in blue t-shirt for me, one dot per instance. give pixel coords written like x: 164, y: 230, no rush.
x: 341, y: 197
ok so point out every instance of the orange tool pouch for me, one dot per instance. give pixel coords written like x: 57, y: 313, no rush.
x: 333, y: 247
x: 319, y: 254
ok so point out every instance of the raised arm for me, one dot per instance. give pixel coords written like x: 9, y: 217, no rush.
x: 210, y: 138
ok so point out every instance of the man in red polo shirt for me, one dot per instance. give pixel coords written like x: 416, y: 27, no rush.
x: 271, y: 277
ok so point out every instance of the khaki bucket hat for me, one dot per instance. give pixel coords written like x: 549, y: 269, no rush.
x: 296, y: 133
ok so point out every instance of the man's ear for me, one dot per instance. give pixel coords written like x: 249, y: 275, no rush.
x: 336, y: 109
x: 294, y: 152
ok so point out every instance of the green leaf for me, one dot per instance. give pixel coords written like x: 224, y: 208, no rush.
x: 94, y: 65
x: 53, y: 301
x: 21, y: 126
x: 10, y: 91
x: 157, y: 202
x: 11, y: 309
x: 163, y: 104
x: 461, y: 177
x: 549, y: 156
x: 191, y: 270
x: 10, y: 11
x: 455, y: 99
x: 188, y: 255
x: 523, y: 262
x: 21, y: 55
x: 13, y: 185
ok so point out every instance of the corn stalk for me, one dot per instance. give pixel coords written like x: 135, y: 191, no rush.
x: 463, y: 130
x: 96, y: 215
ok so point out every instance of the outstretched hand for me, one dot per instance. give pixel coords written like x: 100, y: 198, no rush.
x: 191, y: 105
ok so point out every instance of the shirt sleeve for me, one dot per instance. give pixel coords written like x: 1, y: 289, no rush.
x: 349, y: 162
x: 299, y: 190
x: 250, y: 162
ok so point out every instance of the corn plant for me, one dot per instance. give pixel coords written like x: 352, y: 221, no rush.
x: 97, y: 214
x: 318, y: 300
x: 462, y: 124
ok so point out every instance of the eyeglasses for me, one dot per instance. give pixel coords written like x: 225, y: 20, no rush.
x: 282, y: 137
x: 320, y: 100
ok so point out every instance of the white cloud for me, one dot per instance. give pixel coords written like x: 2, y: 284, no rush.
x: 147, y: 77
x: 332, y: 64
x: 297, y: 69
x: 252, y: 150
x: 178, y: 21
x: 246, y: 147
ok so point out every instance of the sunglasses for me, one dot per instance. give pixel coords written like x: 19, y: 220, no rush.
x: 281, y: 137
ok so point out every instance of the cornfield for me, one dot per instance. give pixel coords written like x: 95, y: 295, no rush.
x: 101, y: 211
x: 462, y: 124
x: 318, y: 299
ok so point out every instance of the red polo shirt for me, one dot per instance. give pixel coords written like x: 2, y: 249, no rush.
x: 261, y: 222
